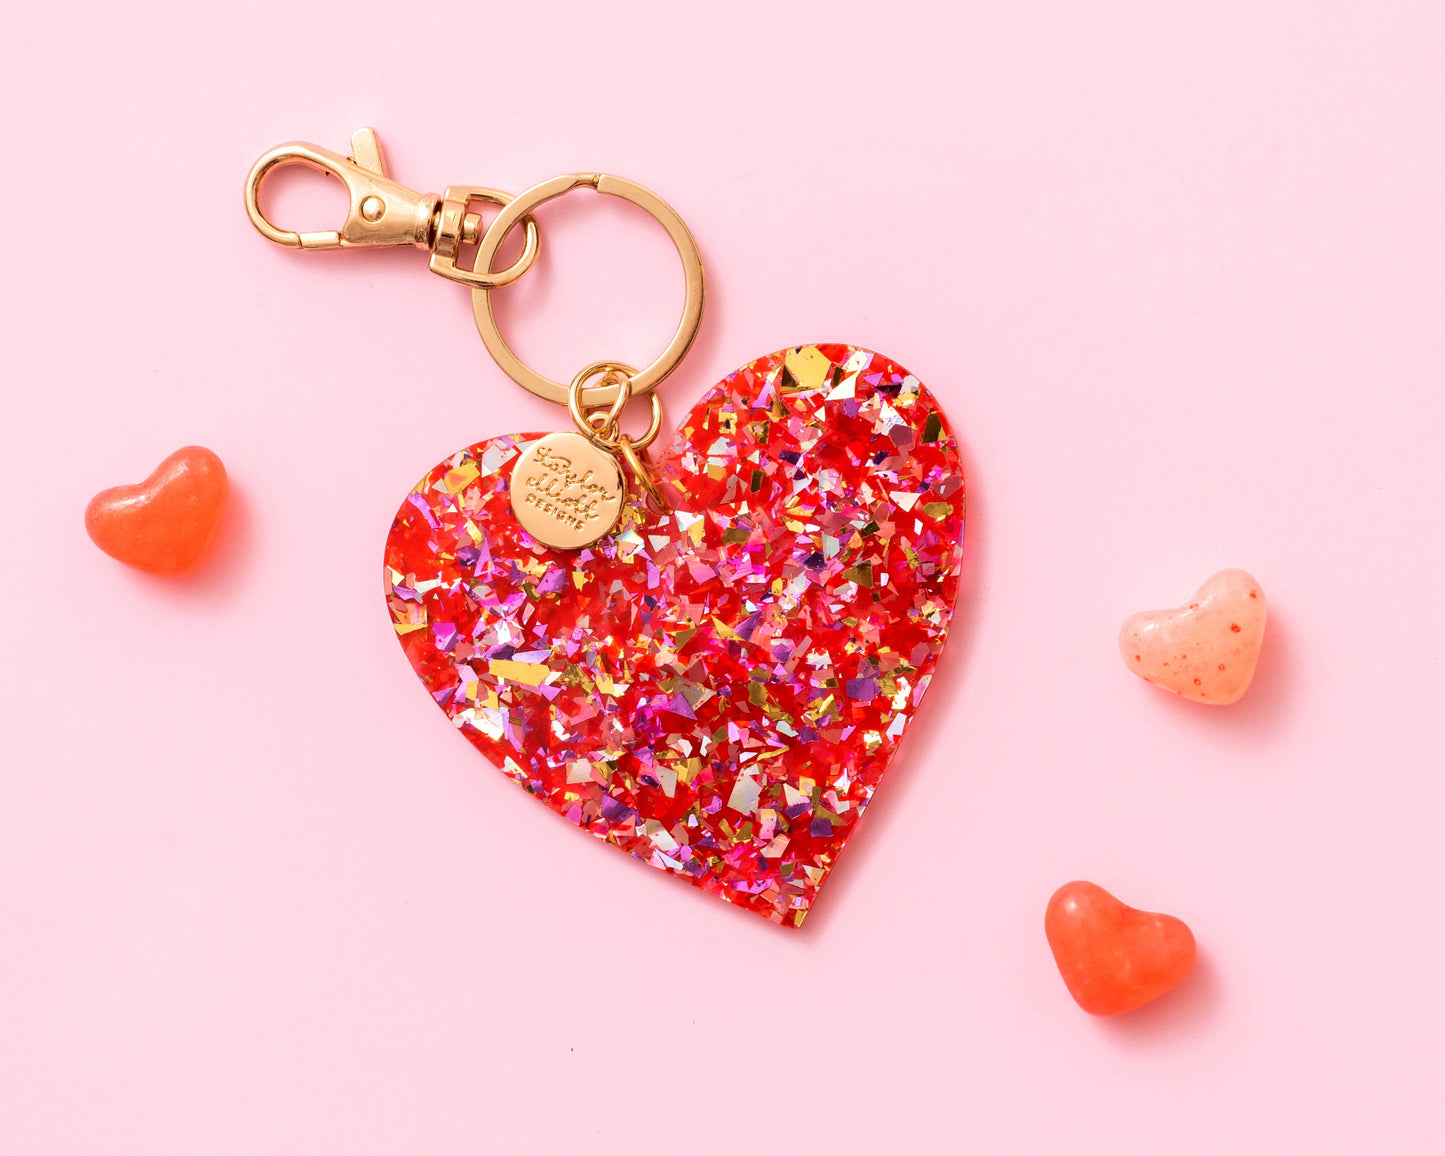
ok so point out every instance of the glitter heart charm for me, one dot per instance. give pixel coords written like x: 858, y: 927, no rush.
x: 717, y: 688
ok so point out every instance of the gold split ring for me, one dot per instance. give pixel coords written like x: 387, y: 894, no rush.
x: 522, y: 206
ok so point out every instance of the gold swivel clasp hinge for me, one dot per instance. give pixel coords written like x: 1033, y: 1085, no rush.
x: 382, y: 212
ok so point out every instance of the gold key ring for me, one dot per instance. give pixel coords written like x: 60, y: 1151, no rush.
x: 522, y: 206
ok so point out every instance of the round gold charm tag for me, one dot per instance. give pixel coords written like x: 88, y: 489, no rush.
x: 566, y: 492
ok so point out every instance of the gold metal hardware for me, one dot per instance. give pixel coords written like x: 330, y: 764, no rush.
x: 604, y: 434
x: 517, y: 211
x: 566, y: 492
x: 567, y: 489
x: 383, y: 212
x: 601, y: 429
x: 641, y: 469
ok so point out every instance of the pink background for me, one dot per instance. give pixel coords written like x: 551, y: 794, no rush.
x: 1175, y: 270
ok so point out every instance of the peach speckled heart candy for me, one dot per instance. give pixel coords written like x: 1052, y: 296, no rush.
x: 1113, y: 957
x: 1205, y: 650
x: 167, y: 523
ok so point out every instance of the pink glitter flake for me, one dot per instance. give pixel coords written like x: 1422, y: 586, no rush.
x: 717, y: 689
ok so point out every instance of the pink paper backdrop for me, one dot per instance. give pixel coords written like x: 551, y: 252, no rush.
x: 1175, y: 271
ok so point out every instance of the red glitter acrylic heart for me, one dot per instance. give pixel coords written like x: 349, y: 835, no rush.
x: 716, y: 689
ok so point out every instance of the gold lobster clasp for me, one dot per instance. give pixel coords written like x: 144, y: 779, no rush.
x: 382, y: 212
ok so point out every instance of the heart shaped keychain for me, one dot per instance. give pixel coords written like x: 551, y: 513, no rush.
x: 710, y: 668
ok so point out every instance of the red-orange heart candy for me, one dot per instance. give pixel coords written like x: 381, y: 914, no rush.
x: 167, y: 523
x: 1113, y: 957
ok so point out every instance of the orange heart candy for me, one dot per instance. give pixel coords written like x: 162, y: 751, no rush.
x: 1113, y: 957
x: 1205, y: 650
x: 167, y: 523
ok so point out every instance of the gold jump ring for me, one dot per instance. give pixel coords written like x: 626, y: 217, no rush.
x: 639, y: 470
x: 604, y: 436
x: 585, y: 416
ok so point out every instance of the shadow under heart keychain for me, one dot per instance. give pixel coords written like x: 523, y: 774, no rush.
x: 706, y: 657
